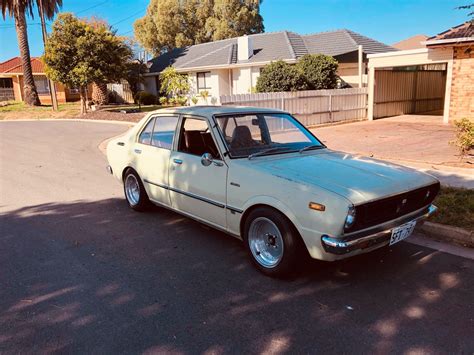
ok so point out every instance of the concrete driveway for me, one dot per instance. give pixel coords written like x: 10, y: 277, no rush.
x: 82, y: 273
x: 419, y: 141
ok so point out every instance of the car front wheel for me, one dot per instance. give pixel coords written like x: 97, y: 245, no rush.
x: 272, y: 242
x: 134, y: 191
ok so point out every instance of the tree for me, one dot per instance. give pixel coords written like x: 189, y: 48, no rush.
x: 17, y: 9
x: 234, y: 18
x: 134, y: 77
x: 280, y: 76
x: 173, y: 84
x: 78, y: 53
x: 319, y: 70
x: 470, y: 13
x: 46, y: 10
x: 195, y: 21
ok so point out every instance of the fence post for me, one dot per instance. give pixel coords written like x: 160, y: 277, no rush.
x: 330, y: 107
x: 283, y: 104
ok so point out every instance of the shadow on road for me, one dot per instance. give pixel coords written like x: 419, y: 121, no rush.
x: 97, y: 277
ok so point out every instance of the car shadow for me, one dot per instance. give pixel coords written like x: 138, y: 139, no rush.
x: 94, y: 276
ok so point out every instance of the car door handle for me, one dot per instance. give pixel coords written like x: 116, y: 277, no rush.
x: 178, y: 161
x: 138, y: 151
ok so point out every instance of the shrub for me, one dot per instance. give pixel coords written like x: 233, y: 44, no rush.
x: 145, y: 98
x: 163, y: 100
x: 319, y: 71
x: 464, y: 136
x: 205, y: 95
x: 280, y: 76
x: 194, y: 100
x: 182, y: 100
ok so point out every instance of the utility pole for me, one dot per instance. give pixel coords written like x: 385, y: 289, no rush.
x: 52, y: 88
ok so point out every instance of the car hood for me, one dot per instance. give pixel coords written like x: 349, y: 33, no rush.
x: 357, y: 178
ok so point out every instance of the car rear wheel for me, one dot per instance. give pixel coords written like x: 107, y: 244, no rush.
x: 272, y: 242
x: 134, y: 191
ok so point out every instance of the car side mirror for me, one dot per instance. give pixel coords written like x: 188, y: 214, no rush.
x: 206, y: 159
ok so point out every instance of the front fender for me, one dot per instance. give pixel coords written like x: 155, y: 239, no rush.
x: 275, y: 203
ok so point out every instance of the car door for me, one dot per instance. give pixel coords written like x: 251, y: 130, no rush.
x: 153, y: 151
x: 196, y: 188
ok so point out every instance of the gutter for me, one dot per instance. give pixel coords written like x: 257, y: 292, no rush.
x: 447, y: 41
x: 223, y: 66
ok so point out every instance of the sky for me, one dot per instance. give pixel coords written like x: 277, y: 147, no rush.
x: 385, y: 21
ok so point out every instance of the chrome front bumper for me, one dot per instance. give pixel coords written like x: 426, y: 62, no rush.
x: 376, y: 236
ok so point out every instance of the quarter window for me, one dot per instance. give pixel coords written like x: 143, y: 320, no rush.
x: 145, y: 136
x: 203, y: 80
x: 163, y: 132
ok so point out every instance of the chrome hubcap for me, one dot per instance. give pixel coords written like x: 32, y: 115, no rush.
x: 266, y: 242
x: 132, y: 190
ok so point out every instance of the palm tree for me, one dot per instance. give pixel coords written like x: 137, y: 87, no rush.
x: 47, y: 9
x: 18, y: 9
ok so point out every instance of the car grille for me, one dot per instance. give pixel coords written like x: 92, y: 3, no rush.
x: 390, y: 208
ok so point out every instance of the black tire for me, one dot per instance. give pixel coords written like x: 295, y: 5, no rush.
x: 142, y: 202
x: 293, y: 246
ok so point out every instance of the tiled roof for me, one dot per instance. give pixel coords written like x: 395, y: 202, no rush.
x: 464, y: 30
x: 411, y: 42
x: 14, y: 66
x: 268, y: 47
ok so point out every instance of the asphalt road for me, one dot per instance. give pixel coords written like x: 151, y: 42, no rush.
x: 82, y: 273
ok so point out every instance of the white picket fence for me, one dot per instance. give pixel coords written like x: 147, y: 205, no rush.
x: 310, y: 107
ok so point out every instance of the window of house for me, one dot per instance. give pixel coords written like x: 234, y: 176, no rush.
x: 74, y: 90
x: 6, y: 83
x: 163, y: 132
x: 42, y: 84
x: 204, y: 80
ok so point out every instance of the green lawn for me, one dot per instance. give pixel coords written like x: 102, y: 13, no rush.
x: 18, y: 110
x: 455, y: 207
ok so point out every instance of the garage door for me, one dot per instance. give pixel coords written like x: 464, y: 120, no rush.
x: 407, y: 90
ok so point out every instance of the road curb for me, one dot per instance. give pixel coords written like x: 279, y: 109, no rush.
x: 447, y: 233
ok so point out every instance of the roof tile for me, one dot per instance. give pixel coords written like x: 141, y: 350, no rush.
x: 268, y: 47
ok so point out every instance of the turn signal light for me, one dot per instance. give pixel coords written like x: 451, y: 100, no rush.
x: 317, y: 206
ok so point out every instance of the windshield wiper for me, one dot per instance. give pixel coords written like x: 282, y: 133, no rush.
x: 265, y: 151
x: 310, y: 147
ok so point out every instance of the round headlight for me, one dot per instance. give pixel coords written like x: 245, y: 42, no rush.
x: 350, y: 219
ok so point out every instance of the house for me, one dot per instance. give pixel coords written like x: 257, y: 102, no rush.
x: 11, y: 82
x: 232, y: 66
x: 437, y: 79
x: 412, y: 42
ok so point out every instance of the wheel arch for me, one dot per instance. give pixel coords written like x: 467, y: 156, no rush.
x: 291, y: 220
x: 284, y: 211
x: 128, y: 167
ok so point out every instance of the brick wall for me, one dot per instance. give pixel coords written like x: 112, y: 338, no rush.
x: 462, y: 86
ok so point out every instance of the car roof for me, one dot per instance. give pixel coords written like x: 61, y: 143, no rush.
x: 208, y: 111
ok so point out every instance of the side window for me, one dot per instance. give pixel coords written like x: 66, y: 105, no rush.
x: 195, y: 138
x: 163, y: 132
x: 145, y: 136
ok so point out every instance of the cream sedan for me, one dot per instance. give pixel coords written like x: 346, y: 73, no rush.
x: 261, y: 176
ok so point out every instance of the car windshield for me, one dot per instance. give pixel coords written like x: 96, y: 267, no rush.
x: 251, y: 135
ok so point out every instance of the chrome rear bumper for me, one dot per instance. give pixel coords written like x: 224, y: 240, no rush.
x: 377, y: 236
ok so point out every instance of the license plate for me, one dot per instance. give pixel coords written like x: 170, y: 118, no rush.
x: 402, y: 232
